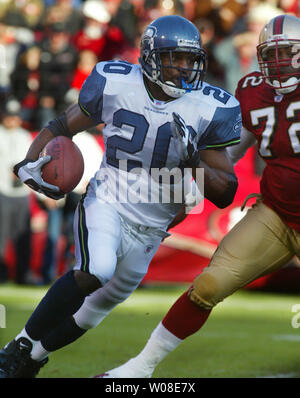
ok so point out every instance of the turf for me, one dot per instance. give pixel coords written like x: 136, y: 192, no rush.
x: 249, y: 335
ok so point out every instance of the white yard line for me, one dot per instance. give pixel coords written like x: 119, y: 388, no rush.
x: 279, y: 376
x: 286, y: 337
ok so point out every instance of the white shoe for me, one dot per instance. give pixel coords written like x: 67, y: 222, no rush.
x: 128, y: 370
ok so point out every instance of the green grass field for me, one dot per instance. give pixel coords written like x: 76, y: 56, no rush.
x: 250, y: 335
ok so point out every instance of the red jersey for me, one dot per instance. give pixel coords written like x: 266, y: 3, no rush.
x: 275, y: 122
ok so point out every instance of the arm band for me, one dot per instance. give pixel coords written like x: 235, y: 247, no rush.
x: 59, y: 126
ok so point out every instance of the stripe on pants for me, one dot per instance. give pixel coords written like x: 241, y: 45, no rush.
x: 83, y: 238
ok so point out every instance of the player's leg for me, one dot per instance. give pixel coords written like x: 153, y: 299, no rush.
x: 258, y: 244
x: 135, y: 255
x: 61, y: 300
x: 43, y: 331
x: 94, y: 309
x: 21, y: 237
x: 6, y: 229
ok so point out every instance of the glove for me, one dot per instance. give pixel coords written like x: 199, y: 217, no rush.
x: 186, y: 144
x: 29, y: 173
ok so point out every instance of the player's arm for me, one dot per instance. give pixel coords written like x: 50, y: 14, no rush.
x: 72, y: 121
x: 220, y: 181
x: 76, y: 118
x: 69, y: 123
x: 236, y: 152
x: 192, y: 198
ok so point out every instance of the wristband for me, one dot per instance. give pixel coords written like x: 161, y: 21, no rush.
x: 59, y: 126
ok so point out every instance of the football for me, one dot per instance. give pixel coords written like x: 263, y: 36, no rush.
x: 66, y: 166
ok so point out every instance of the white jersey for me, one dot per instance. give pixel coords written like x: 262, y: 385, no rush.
x: 139, y: 143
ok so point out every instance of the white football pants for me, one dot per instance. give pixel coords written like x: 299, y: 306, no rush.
x: 117, y: 252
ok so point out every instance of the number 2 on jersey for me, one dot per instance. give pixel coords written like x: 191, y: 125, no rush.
x: 268, y: 115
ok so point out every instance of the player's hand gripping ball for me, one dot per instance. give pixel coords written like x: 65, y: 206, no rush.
x: 66, y: 166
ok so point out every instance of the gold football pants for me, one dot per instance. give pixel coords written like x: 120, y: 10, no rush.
x: 258, y: 244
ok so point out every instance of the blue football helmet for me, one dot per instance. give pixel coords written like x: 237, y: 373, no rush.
x: 168, y: 35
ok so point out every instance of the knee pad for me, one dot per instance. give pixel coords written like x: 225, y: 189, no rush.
x: 204, y: 291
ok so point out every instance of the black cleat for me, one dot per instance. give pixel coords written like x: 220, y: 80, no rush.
x: 15, y: 360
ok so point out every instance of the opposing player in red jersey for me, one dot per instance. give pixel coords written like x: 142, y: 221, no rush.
x: 269, y: 234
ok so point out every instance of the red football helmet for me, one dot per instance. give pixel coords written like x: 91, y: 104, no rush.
x: 278, y: 53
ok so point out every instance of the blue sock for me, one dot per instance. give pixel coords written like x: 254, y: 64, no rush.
x: 61, y: 301
x: 65, y: 333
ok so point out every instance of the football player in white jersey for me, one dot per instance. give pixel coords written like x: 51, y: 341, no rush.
x: 158, y: 115
x: 268, y: 236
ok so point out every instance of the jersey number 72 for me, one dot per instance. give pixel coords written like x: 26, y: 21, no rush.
x: 268, y: 115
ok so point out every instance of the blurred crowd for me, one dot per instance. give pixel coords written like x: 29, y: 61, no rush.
x: 49, y: 47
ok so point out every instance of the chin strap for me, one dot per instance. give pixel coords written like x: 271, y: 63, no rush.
x: 173, y: 92
x: 164, y: 87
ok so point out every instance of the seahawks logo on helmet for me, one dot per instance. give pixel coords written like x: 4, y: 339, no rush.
x: 147, y: 39
x: 150, y: 32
